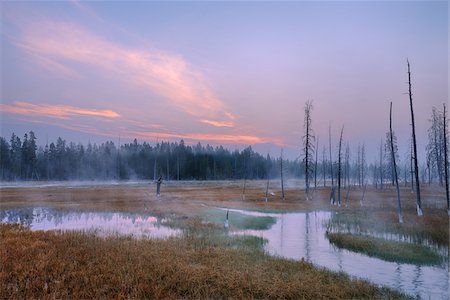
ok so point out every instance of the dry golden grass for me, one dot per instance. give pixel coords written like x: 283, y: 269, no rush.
x: 49, y: 265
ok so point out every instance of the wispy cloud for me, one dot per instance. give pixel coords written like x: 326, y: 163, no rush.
x: 54, y: 111
x: 165, y: 74
x: 217, y: 123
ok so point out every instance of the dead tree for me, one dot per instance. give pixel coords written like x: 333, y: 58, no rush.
x: 332, y: 196
x: 347, y: 166
x: 394, y: 166
x: 446, y: 160
x: 315, y: 164
x: 281, y: 173
x: 339, y: 167
x: 324, y: 167
x: 308, y: 146
x: 411, y: 165
x: 416, y: 168
x: 381, y: 165
x: 268, y: 175
x: 363, y: 165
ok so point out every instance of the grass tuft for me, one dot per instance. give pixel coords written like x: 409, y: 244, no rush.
x: 387, y: 250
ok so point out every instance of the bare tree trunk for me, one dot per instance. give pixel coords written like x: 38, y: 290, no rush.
x: 363, y: 164
x: 308, y: 146
x: 358, y: 166
x: 324, y: 167
x: 411, y: 167
x: 315, y: 164
x: 399, y: 206
x: 281, y: 173
x: 363, y: 195
x: 339, y: 167
x: 446, y: 161
x: 331, y: 168
x: 416, y: 168
x: 381, y: 164
x: 268, y: 175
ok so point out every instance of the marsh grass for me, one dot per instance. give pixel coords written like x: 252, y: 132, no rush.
x: 48, y: 265
x: 238, y: 220
x: 387, y: 250
x: 431, y: 228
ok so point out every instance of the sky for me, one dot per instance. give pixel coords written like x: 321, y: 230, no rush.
x: 228, y: 73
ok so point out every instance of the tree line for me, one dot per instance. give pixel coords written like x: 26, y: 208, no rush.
x: 22, y: 159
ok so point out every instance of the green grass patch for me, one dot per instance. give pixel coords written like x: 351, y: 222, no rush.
x: 387, y: 250
x: 238, y: 220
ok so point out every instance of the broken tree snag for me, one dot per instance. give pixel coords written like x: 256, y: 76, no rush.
x: 281, y: 171
x: 332, y: 197
x: 339, y: 167
x: 446, y: 160
x: 308, y: 146
x: 268, y: 175
x: 416, y: 168
x: 391, y: 138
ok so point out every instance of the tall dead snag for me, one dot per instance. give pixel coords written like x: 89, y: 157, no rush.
x: 308, y: 146
x: 332, y: 195
x: 347, y: 166
x: 315, y: 164
x: 394, y: 166
x: 416, y: 168
x: 446, y: 160
x: 381, y: 165
x: 339, y: 167
x: 363, y: 165
x: 281, y: 173
x: 268, y: 175
x: 324, y: 167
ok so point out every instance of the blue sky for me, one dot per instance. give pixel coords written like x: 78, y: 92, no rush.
x: 232, y: 73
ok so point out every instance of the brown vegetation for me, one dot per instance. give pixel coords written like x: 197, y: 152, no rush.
x: 79, y: 266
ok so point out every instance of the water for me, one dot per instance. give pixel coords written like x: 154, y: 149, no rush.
x: 294, y: 236
x: 302, y: 235
x: 102, y: 223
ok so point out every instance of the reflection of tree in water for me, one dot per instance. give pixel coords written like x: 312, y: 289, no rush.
x: 23, y: 216
x: 48, y: 219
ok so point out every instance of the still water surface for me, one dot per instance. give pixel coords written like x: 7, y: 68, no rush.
x: 102, y: 223
x: 302, y: 235
x: 294, y: 236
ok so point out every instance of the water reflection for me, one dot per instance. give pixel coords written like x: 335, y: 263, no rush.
x: 102, y: 223
x: 302, y: 235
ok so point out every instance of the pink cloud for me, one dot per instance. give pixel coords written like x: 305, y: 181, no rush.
x: 54, y: 111
x: 217, y: 123
x: 165, y: 74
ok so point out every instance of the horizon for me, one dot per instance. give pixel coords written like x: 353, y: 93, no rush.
x: 233, y: 74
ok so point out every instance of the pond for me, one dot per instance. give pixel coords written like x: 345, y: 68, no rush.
x: 102, y: 223
x: 292, y: 235
x: 302, y: 235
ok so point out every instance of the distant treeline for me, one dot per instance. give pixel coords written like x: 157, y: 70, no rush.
x: 23, y: 160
